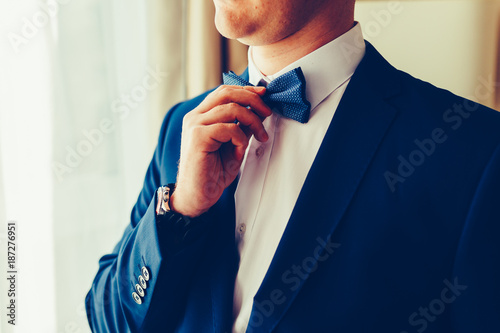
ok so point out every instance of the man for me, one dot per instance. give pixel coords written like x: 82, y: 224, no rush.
x: 362, y: 202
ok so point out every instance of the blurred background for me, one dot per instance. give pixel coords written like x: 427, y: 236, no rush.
x: 84, y: 86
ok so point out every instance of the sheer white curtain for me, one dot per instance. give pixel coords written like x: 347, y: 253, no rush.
x: 77, y: 130
x: 26, y: 146
x: 99, y: 67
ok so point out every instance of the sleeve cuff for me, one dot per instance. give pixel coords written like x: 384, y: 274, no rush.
x: 177, y: 232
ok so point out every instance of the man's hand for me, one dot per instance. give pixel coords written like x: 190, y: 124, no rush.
x: 215, y: 136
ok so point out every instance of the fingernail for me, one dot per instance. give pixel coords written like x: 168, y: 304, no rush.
x: 265, y: 136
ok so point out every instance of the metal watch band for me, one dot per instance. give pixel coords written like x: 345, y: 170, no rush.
x: 163, y: 199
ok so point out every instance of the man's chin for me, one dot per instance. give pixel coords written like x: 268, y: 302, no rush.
x: 229, y: 30
x: 244, y: 35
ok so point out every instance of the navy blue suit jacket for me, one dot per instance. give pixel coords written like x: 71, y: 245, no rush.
x: 396, y: 229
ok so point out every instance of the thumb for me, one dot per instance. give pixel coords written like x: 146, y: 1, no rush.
x: 258, y: 90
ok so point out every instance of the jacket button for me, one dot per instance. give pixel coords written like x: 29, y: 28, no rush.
x: 145, y: 273
x: 139, y: 290
x: 137, y: 298
x: 142, y: 282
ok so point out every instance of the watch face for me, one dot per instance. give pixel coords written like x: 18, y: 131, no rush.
x: 166, y: 194
x: 166, y: 198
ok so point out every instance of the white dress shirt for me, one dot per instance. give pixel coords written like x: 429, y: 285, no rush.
x: 272, y: 173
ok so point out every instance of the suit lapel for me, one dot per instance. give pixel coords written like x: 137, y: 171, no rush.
x: 350, y: 143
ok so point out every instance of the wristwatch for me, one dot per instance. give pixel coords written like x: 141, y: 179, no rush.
x: 175, y: 231
x: 163, y: 202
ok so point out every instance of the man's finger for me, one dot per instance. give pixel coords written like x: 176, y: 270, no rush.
x: 244, y: 96
x: 232, y: 112
x: 217, y: 134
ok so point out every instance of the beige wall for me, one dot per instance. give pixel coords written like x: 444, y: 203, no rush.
x: 453, y: 44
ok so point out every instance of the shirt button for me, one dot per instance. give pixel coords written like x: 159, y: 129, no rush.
x: 260, y: 151
x: 242, y: 228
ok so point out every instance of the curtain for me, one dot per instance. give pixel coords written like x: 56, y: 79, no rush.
x: 105, y: 131
x: 76, y: 136
x: 208, y: 53
x: 25, y: 146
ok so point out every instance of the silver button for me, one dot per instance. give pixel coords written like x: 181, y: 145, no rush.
x: 260, y: 151
x: 142, y: 281
x: 136, y: 297
x: 139, y: 290
x: 242, y: 228
x: 145, y: 273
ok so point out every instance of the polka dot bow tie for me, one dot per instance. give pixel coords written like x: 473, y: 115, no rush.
x: 286, y: 94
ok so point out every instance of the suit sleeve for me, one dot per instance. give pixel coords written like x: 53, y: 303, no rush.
x: 476, y: 282
x: 109, y: 303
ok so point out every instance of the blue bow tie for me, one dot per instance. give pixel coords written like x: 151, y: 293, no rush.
x: 286, y: 94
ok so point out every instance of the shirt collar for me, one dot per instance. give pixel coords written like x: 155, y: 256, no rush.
x: 325, y: 69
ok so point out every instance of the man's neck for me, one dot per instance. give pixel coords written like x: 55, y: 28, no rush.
x: 272, y: 58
